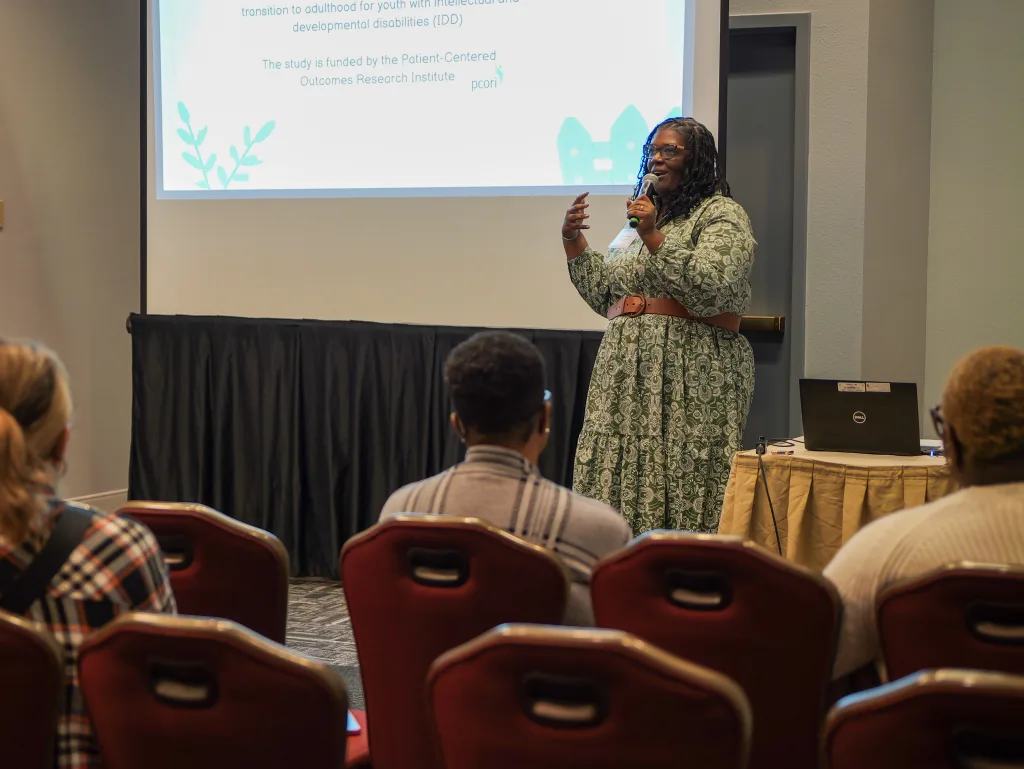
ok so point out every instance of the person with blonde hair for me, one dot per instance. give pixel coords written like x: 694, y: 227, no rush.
x: 981, y: 423
x: 68, y: 567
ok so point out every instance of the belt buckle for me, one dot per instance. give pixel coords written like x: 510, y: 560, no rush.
x: 640, y: 303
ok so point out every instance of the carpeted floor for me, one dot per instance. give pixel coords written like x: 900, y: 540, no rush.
x: 319, y: 627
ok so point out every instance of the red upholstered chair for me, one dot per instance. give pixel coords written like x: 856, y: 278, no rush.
x: 561, y: 698
x: 732, y: 606
x: 32, y: 676
x: 171, y: 692
x: 420, y: 585
x: 936, y: 719
x: 220, y: 567
x: 961, y: 616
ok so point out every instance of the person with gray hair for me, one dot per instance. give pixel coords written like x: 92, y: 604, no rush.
x: 981, y: 423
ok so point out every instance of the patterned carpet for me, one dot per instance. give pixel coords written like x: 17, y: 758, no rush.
x: 319, y: 627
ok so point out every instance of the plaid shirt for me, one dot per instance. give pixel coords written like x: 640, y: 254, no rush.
x: 117, y: 568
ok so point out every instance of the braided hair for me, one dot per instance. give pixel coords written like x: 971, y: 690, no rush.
x: 702, y: 175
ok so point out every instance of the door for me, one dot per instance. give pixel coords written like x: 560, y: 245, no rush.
x: 760, y: 155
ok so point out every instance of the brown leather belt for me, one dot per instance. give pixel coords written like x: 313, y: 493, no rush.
x: 634, y: 305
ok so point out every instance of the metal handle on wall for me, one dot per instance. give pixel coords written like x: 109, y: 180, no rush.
x: 763, y: 324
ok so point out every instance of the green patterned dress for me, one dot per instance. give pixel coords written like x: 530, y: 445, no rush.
x: 669, y: 397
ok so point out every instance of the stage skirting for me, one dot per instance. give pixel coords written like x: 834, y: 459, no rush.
x: 304, y: 428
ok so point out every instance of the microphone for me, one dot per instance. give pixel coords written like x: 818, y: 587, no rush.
x: 645, y: 186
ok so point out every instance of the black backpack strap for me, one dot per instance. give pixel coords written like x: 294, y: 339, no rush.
x: 31, y: 584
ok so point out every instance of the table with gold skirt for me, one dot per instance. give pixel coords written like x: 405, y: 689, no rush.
x: 822, y: 499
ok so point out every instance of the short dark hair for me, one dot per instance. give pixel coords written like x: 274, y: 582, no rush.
x: 496, y: 380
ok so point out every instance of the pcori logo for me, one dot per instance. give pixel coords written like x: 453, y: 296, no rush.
x: 859, y: 417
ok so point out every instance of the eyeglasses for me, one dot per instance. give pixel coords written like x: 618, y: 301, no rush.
x: 938, y: 421
x: 667, y: 151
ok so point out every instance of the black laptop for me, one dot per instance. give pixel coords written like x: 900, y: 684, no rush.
x: 860, y: 417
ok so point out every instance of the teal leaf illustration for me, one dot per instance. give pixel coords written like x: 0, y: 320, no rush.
x: 188, y: 136
x: 197, y: 159
x: 264, y: 133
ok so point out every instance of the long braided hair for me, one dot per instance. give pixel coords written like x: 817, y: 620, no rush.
x: 702, y: 175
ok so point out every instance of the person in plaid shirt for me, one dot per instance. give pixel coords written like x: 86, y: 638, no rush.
x: 116, y: 568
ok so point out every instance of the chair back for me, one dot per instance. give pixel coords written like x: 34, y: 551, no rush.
x: 220, y: 567
x: 32, y: 672
x: 419, y: 585
x: 555, y: 698
x: 166, y: 692
x: 732, y: 606
x: 964, y: 615
x: 939, y: 719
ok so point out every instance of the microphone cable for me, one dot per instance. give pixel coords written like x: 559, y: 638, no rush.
x: 762, y: 447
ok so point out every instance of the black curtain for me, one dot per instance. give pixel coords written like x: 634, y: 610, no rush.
x: 304, y: 428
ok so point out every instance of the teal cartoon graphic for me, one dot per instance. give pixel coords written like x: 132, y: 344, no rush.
x: 243, y: 159
x: 615, y: 161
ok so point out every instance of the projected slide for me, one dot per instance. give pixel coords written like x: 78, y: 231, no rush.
x: 411, y: 97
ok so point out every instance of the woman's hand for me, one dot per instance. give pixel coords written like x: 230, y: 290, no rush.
x: 573, y: 225
x: 575, y: 217
x: 644, y: 210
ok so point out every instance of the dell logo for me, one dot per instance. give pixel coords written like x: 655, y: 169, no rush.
x: 859, y: 417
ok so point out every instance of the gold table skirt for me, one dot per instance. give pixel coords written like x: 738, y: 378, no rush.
x: 822, y: 499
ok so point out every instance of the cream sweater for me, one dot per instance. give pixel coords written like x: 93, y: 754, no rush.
x: 984, y: 524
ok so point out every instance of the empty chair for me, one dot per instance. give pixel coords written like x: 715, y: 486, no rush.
x: 176, y: 692
x: 32, y: 672
x: 418, y: 586
x: 220, y: 567
x: 938, y: 719
x: 963, y: 616
x: 727, y: 604
x: 565, y: 698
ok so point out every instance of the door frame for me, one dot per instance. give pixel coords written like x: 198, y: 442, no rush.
x: 795, y: 324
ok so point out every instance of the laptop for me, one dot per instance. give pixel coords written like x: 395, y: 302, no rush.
x: 860, y: 417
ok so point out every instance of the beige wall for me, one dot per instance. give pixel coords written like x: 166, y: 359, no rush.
x: 836, y: 183
x: 896, y: 200
x: 868, y: 166
x: 69, y: 148
x: 976, y: 249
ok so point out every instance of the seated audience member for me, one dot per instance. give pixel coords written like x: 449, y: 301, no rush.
x: 981, y: 423
x: 502, y: 413
x: 113, y: 564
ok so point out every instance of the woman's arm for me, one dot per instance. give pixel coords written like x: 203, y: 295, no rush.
x: 712, y: 276
x: 586, y: 267
x: 590, y: 277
